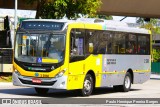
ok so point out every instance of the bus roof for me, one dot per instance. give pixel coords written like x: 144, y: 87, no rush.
x: 112, y: 25
x: 50, y: 20
x: 125, y: 29
x: 109, y: 25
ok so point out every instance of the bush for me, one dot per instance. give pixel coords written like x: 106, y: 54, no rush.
x: 156, y: 55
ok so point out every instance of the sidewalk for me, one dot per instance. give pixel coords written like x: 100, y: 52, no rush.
x: 6, y: 83
x: 155, y: 76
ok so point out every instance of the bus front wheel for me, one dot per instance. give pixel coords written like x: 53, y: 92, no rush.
x: 87, y: 85
x: 41, y: 91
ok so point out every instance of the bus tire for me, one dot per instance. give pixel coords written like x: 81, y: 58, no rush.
x: 41, y: 91
x: 87, y: 85
x: 126, y: 84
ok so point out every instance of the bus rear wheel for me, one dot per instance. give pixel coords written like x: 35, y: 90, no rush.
x: 41, y: 91
x: 87, y: 85
x: 126, y: 84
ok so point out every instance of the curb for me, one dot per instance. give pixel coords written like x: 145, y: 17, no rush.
x: 6, y: 83
x: 155, y: 76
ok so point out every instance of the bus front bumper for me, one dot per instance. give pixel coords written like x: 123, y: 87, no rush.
x: 54, y: 83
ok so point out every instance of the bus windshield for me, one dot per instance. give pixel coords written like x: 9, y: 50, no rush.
x: 40, y: 48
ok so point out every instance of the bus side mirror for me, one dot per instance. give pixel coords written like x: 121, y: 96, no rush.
x: 90, y: 47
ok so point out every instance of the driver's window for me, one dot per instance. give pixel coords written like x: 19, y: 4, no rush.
x: 77, y: 44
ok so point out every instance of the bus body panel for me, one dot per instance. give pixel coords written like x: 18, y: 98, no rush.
x: 94, y: 63
x: 119, y: 63
x: 115, y: 67
x: 141, y: 77
x: 110, y: 79
x: 79, y: 69
x: 76, y: 75
x: 75, y: 70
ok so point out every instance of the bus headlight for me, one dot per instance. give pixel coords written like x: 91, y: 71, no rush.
x: 60, y: 74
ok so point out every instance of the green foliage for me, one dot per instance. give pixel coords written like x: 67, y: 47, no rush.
x: 156, y: 55
x: 151, y: 25
x: 57, y: 9
x: 6, y: 78
x: 104, y: 17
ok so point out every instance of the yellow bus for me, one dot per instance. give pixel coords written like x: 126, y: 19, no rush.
x: 80, y: 54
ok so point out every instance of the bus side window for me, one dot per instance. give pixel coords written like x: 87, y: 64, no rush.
x: 91, y: 38
x: 105, y: 42
x: 119, y: 43
x: 77, y: 47
x: 73, y: 46
x: 131, y: 44
x: 142, y: 45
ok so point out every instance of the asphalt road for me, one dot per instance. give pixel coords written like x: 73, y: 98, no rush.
x: 150, y: 89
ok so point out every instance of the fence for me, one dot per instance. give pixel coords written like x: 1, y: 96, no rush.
x: 155, y: 68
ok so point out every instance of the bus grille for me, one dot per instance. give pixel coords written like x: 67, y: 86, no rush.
x: 43, y: 83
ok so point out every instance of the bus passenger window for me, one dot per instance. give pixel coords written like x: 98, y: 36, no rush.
x: 105, y: 42
x: 119, y: 43
x: 131, y: 44
x: 142, y: 44
x: 130, y: 48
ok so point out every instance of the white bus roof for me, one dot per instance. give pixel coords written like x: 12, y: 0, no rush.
x: 102, y: 21
x: 114, y: 25
x: 125, y: 29
x: 106, y: 24
x: 50, y: 20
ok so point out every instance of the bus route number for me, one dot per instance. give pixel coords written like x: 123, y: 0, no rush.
x: 44, y: 75
x: 146, y: 60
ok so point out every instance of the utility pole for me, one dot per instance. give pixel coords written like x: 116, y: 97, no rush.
x: 15, y: 16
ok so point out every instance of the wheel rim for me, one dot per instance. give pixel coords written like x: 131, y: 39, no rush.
x: 127, y: 82
x: 87, y: 86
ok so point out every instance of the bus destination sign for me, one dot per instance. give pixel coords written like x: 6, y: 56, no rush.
x: 42, y: 25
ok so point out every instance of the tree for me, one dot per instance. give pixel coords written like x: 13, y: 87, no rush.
x: 56, y: 9
x: 156, y: 55
x: 105, y: 17
x: 149, y: 23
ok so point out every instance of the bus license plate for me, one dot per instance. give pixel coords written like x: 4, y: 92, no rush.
x: 36, y: 80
